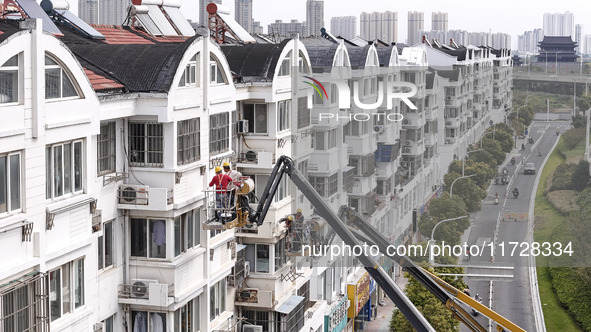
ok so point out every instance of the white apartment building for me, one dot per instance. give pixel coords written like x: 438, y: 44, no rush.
x: 345, y: 26
x: 108, y: 148
x: 416, y: 23
x: 382, y: 26
x: 314, y: 17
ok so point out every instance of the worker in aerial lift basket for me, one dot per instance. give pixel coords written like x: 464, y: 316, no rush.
x: 235, y: 176
x: 220, y: 181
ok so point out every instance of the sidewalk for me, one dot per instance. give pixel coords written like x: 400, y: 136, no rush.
x: 382, y: 322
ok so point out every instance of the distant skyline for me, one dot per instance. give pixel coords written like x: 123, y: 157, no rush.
x: 512, y: 17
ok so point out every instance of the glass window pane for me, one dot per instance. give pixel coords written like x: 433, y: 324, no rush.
x: 197, y: 227
x: 68, y: 89
x: 52, y: 83
x: 177, y: 236
x: 262, y: 262
x: 78, y: 283
x: 100, y: 252
x: 67, y: 168
x: 261, y: 119
x: 108, y: 234
x: 138, y: 237
x: 49, y: 61
x: 189, y: 233
x: 8, y: 86
x: 3, y: 185
x: 66, y: 288
x: 48, y: 176
x: 58, y: 171
x: 15, y: 184
x: 78, y: 166
x: 55, y: 294
x: 157, y: 238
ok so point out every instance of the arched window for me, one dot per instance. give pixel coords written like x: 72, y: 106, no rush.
x: 191, y: 73
x: 216, y: 74
x: 285, y: 69
x: 9, y: 81
x: 58, y: 83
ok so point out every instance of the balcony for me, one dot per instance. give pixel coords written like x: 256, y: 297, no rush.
x: 413, y: 120
x: 452, y: 122
x: 452, y: 101
x: 254, y: 297
x: 141, y: 197
x: 413, y: 147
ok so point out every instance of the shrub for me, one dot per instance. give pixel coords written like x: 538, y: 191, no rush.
x: 580, y: 177
x: 561, y: 179
x: 572, y: 137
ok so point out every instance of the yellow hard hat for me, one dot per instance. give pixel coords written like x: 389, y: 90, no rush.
x: 299, y: 210
x: 218, y: 169
x: 290, y: 217
x: 226, y: 164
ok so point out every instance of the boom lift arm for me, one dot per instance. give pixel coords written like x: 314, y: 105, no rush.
x: 436, y: 286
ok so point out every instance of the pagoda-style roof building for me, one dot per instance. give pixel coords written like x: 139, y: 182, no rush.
x: 516, y: 60
x: 557, y: 48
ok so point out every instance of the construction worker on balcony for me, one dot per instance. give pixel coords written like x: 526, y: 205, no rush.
x: 220, y: 181
x: 235, y: 176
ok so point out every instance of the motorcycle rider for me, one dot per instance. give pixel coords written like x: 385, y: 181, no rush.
x: 513, y: 161
x: 539, y: 151
x: 496, y: 198
x: 516, y: 192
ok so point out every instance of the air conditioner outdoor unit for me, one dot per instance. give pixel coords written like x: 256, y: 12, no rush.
x: 408, y: 142
x: 98, y: 327
x: 133, y: 194
x: 246, y: 269
x: 242, y: 126
x: 140, y: 288
x: 251, y: 156
x: 405, y: 121
x: 252, y: 328
x: 407, y: 149
x: 378, y: 129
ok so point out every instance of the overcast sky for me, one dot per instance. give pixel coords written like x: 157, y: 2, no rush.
x: 510, y: 16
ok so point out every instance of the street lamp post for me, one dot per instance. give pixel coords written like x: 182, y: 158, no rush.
x: 432, y: 240
x: 465, y: 156
x: 454, y: 181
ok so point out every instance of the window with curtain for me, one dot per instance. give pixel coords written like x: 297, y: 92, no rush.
x: 58, y: 83
x: 9, y: 81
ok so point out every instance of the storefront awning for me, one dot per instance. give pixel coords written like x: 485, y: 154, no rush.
x: 290, y: 304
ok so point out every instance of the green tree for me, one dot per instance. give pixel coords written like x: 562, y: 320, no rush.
x: 584, y: 203
x: 584, y: 103
x: 445, y: 208
x: 485, y: 157
x: 467, y: 190
x: 579, y: 121
x: 494, y: 149
x: 483, y: 173
x: 434, y: 311
x: 580, y: 177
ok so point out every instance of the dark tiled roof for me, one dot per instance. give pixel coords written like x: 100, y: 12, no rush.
x: 357, y: 55
x: 142, y: 64
x: 565, y: 40
x: 253, y: 62
x: 384, y: 55
x: 321, y: 51
x: 8, y: 28
x: 452, y: 75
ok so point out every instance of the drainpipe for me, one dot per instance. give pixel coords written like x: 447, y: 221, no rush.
x: 37, y: 72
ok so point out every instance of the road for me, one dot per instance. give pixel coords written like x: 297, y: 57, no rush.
x: 512, y: 297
